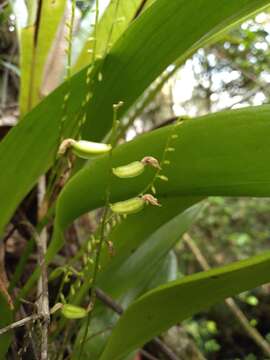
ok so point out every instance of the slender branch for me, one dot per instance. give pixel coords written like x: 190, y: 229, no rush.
x: 109, y: 302
x: 29, y: 334
x: 19, y: 323
x: 69, y: 39
x: 147, y: 355
x: 43, y: 302
x: 103, y: 224
x: 108, y: 46
x: 164, y: 349
x: 230, y: 303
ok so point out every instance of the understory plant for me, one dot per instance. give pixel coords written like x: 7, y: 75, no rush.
x: 119, y: 206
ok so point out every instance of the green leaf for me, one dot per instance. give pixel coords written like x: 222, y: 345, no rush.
x: 129, y: 69
x: 209, y: 159
x: 163, y: 307
x: 26, y: 66
x: 139, y: 227
x: 141, y: 255
x: 143, y: 260
x: 167, y: 271
x: 46, y: 34
x: 145, y: 248
x: 37, y: 137
x: 35, y: 43
x: 111, y: 26
x: 146, y: 49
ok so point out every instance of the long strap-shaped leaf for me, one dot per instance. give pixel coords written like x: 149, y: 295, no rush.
x: 140, y: 243
x: 36, y: 138
x: 161, y: 308
x: 129, y: 276
x: 36, y: 41
x: 139, y: 252
x: 220, y: 154
x: 166, y: 31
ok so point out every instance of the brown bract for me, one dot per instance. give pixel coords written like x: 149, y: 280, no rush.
x: 65, y: 145
x: 150, y: 199
x: 150, y: 160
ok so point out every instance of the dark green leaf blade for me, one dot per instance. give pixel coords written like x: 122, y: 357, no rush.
x: 224, y: 154
x: 166, y: 31
x: 36, y: 137
x: 161, y: 308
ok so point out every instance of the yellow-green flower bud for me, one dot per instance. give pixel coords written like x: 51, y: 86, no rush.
x: 73, y: 312
x: 131, y: 206
x: 129, y: 171
x: 84, y: 149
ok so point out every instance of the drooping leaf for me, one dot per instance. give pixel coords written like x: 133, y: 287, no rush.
x: 135, y: 260
x: 26, y: 66
x: 46, y: 34
x: 209, y: 159
x: 36, y: 136
x: 36, y: 40
x: 104, y: 317
x: 141, y: 260
x: 126, y: 77
x: 165, y: 306
x: 219, y: 154
x: 145, y: 247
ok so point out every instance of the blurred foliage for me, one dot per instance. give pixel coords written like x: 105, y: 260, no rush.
x: 229, y: 229
x: 234, y: 71
x: 232, y: 229
x: 9, y: 84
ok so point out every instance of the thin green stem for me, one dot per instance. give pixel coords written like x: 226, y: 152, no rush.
x: 95, y: 32
x: 102, y: 230
x: 150, y: 186
x: 147, y: 98
x: 69, y: 39
x: 107, y: 47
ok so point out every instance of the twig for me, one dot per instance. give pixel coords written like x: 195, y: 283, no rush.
x: 164, y: 349
x: 147, y: 355
x: 230, y: 303
x: 109, y: 302
x: 117, y: 308
x: 29, y: 327
x: 19, y: 323
x: 43, y: 302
